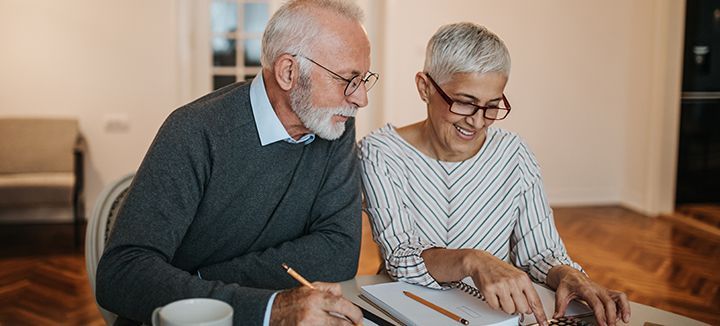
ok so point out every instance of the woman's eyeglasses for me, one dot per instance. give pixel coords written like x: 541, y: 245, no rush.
x: 498, y: 112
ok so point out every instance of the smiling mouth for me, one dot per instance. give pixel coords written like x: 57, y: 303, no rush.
x: 463, y: 131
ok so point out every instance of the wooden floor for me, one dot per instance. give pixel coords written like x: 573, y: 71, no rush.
x: 654, y: 261
x: 43, y: 279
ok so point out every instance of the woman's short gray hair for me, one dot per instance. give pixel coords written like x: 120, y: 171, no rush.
x: 292, y: 28
x: 465, y: 48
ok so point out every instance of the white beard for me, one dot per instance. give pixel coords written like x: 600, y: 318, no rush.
x: 318, y: 120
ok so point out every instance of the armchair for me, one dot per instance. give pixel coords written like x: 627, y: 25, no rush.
x: 41, y: 171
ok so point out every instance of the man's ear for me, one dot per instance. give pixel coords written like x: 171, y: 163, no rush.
x: 286, y: 71
x: 422, y: 86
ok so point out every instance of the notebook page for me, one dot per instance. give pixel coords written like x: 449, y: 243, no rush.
x: 390, y: 297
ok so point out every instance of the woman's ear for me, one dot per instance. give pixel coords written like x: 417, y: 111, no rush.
x: 286, y: 71
x: 422, y: 86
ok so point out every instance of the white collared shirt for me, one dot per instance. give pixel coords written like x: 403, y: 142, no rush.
x: 269, y: 127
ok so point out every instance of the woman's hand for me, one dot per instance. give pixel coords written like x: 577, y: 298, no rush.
x: 569, y: 284
x: 505, y: 287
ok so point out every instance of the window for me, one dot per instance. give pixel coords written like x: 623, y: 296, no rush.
x: 237, y: 27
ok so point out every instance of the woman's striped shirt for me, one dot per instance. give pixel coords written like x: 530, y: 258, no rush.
x: 493, y: 201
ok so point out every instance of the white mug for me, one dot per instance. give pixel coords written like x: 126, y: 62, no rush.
x: 198, y: 311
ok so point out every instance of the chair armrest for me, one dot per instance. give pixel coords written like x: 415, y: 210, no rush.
x: 80, y: 145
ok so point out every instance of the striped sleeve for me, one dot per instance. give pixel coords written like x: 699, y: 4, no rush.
x: 536, y: 243
x: 392, y: 225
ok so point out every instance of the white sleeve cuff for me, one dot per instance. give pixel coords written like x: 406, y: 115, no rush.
x: 268, y: 310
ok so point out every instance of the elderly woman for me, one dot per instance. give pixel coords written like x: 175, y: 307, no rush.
x: 452, y: 197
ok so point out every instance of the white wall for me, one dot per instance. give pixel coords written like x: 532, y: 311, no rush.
x: 594, y: 86
x: 654, y: 110
x: 92, y: 60
x: 582, y: 86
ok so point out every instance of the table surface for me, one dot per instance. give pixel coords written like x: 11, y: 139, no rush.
x: 641, y: 314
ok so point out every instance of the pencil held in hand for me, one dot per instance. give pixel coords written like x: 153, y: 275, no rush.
x: 437, y: 308
x: 305, y: 282
x: 297, y: 276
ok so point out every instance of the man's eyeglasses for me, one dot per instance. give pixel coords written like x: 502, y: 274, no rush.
x: 498, y: 112
x: 354, y: 82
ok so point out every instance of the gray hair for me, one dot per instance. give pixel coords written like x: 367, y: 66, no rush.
x: 465, y: 48
x: 292, y: 28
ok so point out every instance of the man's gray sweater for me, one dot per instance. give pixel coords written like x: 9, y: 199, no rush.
x: 209, y: 198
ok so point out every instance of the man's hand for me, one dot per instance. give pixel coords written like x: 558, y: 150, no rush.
x: 323, y: 305
x: 505, y: 287
x: 608, y: 305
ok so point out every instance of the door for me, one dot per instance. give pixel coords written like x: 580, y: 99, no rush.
x: 698, y: 174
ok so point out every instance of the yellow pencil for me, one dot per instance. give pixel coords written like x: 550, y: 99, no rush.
x: 437, y: 308
x: 305, y: 282
x: 297, y: 276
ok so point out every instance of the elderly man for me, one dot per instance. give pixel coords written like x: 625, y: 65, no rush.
x: 252, y: 176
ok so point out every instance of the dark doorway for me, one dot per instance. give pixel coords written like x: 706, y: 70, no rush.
x: 698, y: 174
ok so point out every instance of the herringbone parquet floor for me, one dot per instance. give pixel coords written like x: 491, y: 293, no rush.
x: 709, y: 214
x: 651, y: 260
x: 43, y: 279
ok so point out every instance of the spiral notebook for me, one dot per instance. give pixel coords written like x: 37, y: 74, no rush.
x: 463, y: 299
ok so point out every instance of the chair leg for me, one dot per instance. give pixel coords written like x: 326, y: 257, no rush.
x: 76, y: 221
x: 79, y: 194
